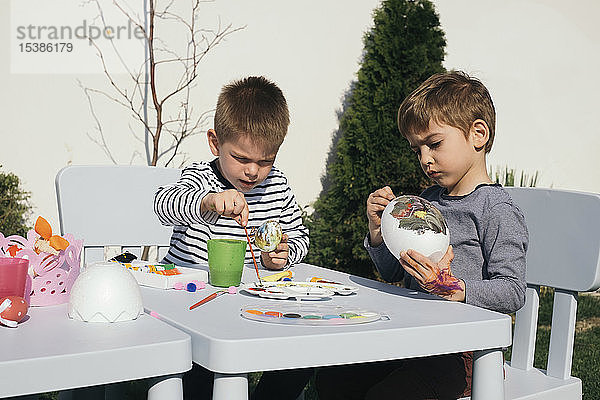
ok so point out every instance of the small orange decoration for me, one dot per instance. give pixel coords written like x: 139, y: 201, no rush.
x: 13, y: 250
x: 43, y: 228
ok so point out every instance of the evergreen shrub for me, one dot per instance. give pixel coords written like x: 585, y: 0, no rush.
x: 404, y: 47
x: 14, y: 205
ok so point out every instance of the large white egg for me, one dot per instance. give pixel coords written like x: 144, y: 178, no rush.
x: 105, y: 292
x: 411, y: 222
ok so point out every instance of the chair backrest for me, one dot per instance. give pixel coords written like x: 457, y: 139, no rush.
x: 112, y: 205
x: 564, y: 254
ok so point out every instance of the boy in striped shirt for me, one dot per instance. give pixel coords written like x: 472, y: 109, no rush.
x: 239, y: 188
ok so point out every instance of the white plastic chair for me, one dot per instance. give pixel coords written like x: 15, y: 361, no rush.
x: 564, y: 253
x: 112, y: 206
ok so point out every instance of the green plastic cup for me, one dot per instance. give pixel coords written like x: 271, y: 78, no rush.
x: 226, y: 261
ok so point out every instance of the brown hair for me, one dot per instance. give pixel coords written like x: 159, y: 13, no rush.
x: 451, y: 98
x: 252, y: 106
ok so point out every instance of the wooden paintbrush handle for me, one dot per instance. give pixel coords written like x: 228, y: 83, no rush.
x: 206, y: 299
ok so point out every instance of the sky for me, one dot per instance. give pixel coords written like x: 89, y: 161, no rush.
x: 538, y: 58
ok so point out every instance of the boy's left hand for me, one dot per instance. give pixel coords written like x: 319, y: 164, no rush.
x: 436, y: 278
x: 276, y: 259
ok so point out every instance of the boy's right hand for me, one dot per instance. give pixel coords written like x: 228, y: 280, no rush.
x: 229, y: 203
x: 375, y: 206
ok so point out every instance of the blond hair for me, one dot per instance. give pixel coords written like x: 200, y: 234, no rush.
x: 451, y: 98
x: 253, y: 106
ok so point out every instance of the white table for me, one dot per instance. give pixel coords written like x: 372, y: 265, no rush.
x: 418, y: 325
x: 50, y: 352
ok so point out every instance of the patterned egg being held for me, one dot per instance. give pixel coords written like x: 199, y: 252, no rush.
x: 268, y: 236
x: 411, y: 222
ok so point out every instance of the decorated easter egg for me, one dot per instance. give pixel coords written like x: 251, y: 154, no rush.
x: 105, y: 292
x: 411, y: 222
x: 12, y: 310
x: 268, y: 236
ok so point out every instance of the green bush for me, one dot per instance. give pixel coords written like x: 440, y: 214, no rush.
x: 404, y: 47
x: 14, y: 205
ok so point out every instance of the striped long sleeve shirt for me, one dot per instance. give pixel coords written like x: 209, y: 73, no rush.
x: 178, y: 205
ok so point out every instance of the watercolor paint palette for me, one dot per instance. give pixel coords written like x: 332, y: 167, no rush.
x: 298, y: 290
x: 165, y: 281
x: 315, y: 315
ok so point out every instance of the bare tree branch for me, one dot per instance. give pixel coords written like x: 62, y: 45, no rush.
x: 102, y: 142
x: 168, y: 119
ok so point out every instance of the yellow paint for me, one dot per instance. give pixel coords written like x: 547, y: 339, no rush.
x: 276, y: 277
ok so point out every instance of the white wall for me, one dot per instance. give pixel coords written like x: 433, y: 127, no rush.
x: 538, y: 58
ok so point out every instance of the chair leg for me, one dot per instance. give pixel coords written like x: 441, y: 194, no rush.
x: 562, y: 334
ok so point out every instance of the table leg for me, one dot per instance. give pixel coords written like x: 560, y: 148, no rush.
x: 165, y: 388
x: 488, y: 376
x: 230, y: 387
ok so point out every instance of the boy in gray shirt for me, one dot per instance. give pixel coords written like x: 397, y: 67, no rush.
x: 449, y: 122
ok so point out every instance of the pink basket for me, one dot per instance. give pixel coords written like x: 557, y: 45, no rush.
x: 50, y: 276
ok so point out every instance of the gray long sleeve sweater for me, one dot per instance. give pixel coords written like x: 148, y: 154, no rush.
x: 489, y: 237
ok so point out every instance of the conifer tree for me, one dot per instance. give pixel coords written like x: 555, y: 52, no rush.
x: 14, y: 205
x: 404, y: 47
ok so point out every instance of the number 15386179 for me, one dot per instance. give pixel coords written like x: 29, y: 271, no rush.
x: 43, y: 47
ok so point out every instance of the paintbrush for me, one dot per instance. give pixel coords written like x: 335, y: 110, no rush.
x: 253, y: 258
x: 230, y: 290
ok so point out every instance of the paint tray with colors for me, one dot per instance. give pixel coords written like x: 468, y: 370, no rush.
x: 298, y: 290
x: 161, y: 281
x: 315, y: 315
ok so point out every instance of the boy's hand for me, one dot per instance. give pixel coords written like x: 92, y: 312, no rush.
x: 229, y: 203
x: 436, y: 278
x: 276, y: 259
x: 375, y: 206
